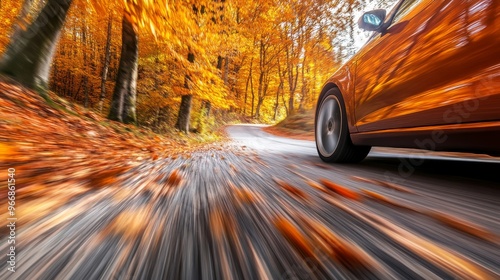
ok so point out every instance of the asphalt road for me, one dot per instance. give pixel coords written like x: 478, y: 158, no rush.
x: 266, y: 207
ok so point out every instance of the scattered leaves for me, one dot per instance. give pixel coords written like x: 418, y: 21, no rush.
x: 342, y: 191
x: 291, y: 189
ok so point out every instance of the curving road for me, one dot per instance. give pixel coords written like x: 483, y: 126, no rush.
x: 266, y: 207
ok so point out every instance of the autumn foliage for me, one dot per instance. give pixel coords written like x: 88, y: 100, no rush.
x: 258, y: 59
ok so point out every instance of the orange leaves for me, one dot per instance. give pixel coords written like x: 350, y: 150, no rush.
x: 464, y: 226
x: 291, y: 189
x: 342, y: 191
x: 129, y: 224
x: 216, y: 223
x: 383, y: 199
x: 459, y: 266
x: 75, y: 147
x: 316, y: 185
x: 294, y: 236
x: 245, y: 195
x: 338, y: 248
x: 7, y: 152
x: 384, y: 184
x: 318, y: 236
x: 174, y: 178
x: 221, y: 224
x: 106, y: 177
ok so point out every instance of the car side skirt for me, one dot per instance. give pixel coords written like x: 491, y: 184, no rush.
x: 479, y: 137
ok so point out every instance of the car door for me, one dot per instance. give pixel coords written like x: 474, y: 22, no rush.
x: 436, y: 62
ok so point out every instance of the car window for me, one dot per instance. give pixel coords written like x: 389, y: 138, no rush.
x: 405, y: 8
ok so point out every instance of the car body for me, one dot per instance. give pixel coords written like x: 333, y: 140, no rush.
x: 428, y: 78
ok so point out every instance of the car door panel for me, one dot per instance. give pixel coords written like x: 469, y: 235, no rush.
x: 433, y: 67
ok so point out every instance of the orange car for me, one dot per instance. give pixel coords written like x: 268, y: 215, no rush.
x: 428, y: 78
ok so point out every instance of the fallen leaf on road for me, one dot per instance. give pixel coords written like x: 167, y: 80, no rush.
x: 464, y: 226
x: 291, y: 189
x: 174, y: 179
x: 295, y: 237
x: 342, y: 191
x: 384, y: 199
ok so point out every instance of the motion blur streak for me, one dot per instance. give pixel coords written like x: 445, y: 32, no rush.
x: 248, y: 210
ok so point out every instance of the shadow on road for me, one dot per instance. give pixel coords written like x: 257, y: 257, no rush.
x: 436, y: 167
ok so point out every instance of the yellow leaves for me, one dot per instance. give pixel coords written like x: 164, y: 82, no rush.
x: 7, y: 152
x: 98, y: 7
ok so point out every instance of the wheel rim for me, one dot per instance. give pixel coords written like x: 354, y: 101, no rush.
x: 328, y: 126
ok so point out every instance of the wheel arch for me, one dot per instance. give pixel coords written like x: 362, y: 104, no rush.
x: 347, y: 102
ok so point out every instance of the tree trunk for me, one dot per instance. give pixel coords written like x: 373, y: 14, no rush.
x: 206, y: 107
x: 85, y: 91
x: 184, y: 113
x: 259, y: 105
x: 124, y: 95
x: 28, y: 56
x: 219, y: 62
x: 85, y: 63
x: 105, y: 68
x: 226, y: 71
x: 304, y: 90
x: 185, y: 109
x: 246, y: 87
x: 290, y: 104
x: 277, y: 101
x: 259, y: 95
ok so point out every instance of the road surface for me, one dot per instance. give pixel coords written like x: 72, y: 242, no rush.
x: 266, y: 207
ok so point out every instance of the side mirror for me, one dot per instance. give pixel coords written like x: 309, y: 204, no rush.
x: 372, y: 20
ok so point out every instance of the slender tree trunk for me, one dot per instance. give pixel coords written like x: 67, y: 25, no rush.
x: 226, y: 71
x: 260, y: 98
x: 124, y: 95
x: 276, y: 102
x: 85, y: 63
x: 293, y: 87
x: 303, y: 92
x: 105, y: 68
x: 85, y: 92
x: 69, y: 87
x: 252, y: 93
x: 184, y: 115
x: 28, y: 56
x: 246, y: 87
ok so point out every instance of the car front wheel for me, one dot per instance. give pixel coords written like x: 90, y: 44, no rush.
x: 332, y: 133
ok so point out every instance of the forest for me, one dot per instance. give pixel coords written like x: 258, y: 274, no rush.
x: 179, y: 64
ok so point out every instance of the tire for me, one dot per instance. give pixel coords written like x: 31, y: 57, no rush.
x: 333, y: 141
